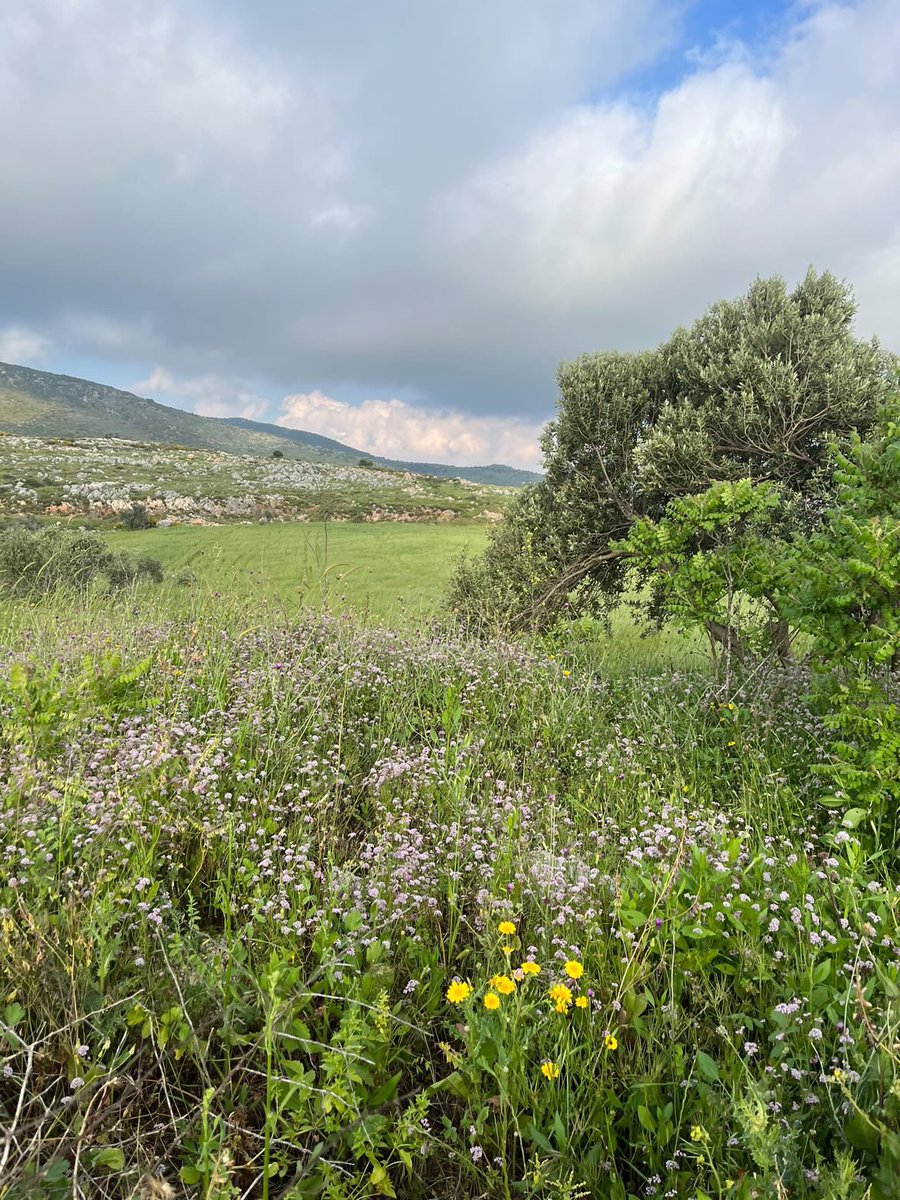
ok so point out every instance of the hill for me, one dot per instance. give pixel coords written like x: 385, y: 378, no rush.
x: 495, y: 473
x: 41, y: 404
x: 103, y: 478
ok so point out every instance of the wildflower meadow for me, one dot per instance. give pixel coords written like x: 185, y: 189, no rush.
x: 311, y: 909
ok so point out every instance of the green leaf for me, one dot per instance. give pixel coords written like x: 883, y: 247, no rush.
x: 380, y: 1181
x: 455, y: 1083
x: 136, y: 1015
x: 708, y: 1067
x: 821, y: 971
x: 861, y: 1133
x: 387, y: 1091
x: 820, y: 997
x: 832, y: 801
x: 632, y: 917
x: 559, y: 1132
x: 56, y: 1171
x: 111, y: 1157
x: 190, y: 1175
x: 533, y: 1134
x: 13, y: 1014
x: 645, y: 1116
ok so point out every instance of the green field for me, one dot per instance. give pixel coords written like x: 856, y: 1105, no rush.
x: 388, y: 571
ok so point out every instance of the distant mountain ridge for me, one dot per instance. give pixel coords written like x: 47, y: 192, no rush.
x: 495, y: 473
x: 37, y: 403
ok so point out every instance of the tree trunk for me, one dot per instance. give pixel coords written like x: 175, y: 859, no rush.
x: 780, y: 633
x: 728, y: 638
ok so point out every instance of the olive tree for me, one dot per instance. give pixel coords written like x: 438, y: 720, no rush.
x: 755, y: 389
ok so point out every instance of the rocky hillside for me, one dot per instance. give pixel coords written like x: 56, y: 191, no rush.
x: 40, y: 404
x: 102, y: 479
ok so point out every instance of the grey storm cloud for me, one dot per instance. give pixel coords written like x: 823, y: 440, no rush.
x: 429, y: 201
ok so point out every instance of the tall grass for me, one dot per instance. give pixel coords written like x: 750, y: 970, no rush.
x: 259, y: 877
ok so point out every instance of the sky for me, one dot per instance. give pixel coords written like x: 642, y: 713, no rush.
x: 388, y: 222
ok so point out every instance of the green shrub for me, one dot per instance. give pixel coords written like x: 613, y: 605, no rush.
x: 755, y: 388
x: 36, y: 563
x: 841, y: 587
x: 137, y: 517
x: 123, y: 570
x: 719, y: 561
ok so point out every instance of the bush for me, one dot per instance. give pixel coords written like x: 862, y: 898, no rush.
x: 36, y: 563
x: 137, y: 517
x: 756, y: 388
x: 123, y: 570
x: 719, y: 561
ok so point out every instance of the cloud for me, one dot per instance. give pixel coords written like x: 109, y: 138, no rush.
x: 212, y: 181
x: 23, y: 346
x: 643, y: 216
x: 439, y: 205
x: 395, y: 429
x: 208, y: 395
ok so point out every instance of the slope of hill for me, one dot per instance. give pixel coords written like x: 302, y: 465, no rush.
x: 103, y: 479
x: 494, y: 473
x: 41, y: 404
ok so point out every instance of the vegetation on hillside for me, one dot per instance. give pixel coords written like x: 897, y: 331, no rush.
x: 102, y: 479
x: 44, y: 405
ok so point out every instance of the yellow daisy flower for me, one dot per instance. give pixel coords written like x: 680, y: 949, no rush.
x: 507, y: 927
x: 530, y: 968
x: 503, y: 984
x: 561, y: 997
x: 491, y: 1001
x: 581, y: 1002
x: 549, y: 1070
x: 573, y: 969
x: 610, y: 1042
x: 458, y: 991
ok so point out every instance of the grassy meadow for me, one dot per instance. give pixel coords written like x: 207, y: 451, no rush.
x: 388, y: 572
x: 318, y: 900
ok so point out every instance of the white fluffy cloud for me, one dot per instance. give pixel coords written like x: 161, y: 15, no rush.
x: 394, y: 429
x: 24, y: 346
x: 442, y: 203
x: 208, y: 395
x: 644, y: 215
